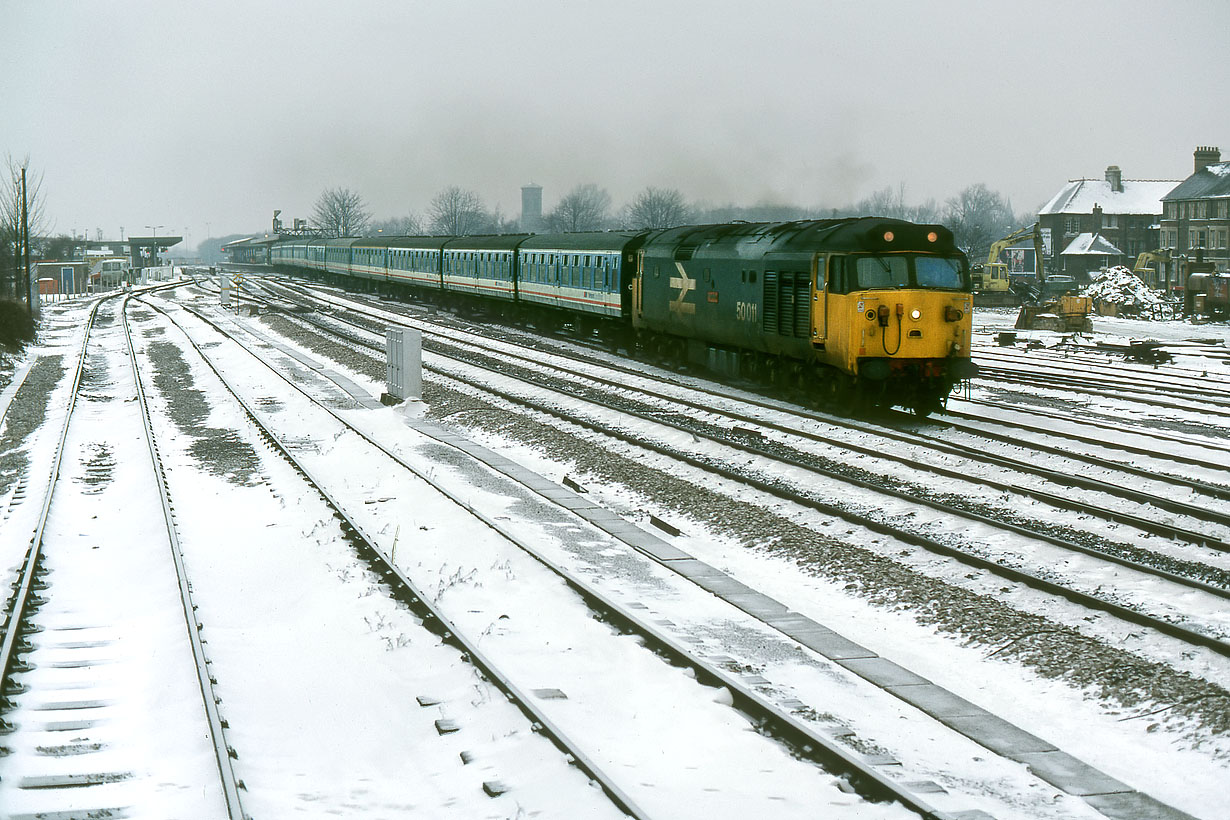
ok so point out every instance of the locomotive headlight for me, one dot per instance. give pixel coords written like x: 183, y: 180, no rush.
x: 915, y: 314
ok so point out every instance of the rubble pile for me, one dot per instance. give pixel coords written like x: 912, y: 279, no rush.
x: 1119, y: 286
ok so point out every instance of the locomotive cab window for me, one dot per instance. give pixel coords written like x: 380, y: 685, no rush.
x: 897, y: 271
x: 936, y: 272
x: 882, y: 272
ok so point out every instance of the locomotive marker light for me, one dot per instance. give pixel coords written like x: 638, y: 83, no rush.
x: 915, y: 314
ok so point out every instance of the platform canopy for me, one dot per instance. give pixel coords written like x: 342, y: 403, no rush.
x: 144, y: 250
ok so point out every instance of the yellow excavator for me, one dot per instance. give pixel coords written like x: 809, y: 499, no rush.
x: 1161, y: 278
x: 992, y: 276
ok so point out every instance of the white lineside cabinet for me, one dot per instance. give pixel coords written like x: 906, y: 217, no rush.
x: 404, y: 368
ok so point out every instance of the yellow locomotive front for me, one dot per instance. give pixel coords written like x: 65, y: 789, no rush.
x: 899, y: 322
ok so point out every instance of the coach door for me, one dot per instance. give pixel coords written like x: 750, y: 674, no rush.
x: 637, y: 287
x: 819, y: 299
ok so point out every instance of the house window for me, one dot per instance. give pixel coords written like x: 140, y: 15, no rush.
x: 1072, y: 224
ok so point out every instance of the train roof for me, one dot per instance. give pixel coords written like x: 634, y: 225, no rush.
x: 754, y: 239
x: 426, y: 243
x: 500, y: 242
x: 582, y: 241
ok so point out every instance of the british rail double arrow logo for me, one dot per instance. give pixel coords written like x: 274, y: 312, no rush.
x: 685, y: 285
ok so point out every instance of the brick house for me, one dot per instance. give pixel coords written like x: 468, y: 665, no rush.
x: 1095, y: 222
x: 1196, y: 219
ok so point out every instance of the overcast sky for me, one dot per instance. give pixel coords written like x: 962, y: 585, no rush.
x: 207, y: 116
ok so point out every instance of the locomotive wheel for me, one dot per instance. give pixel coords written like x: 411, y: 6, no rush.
x: 927, y: 403
x: 838, y: 394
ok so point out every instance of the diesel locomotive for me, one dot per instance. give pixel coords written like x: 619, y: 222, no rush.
x: 850, y: 312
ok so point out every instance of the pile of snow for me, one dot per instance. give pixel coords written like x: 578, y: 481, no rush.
x: 1120, y: 286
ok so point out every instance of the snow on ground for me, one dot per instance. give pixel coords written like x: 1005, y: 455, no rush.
x: 359, y: 666
x: 1110, y: 329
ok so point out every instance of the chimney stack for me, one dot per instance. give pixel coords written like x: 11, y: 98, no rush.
x: 1115, y: 177
x: 1206, y: 156
x: 1097, y: 218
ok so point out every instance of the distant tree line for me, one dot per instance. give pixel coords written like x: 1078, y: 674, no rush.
x: 977, y: 215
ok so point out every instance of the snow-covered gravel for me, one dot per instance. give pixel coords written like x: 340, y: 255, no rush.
x: 319, y: 669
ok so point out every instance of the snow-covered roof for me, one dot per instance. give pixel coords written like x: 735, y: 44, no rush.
x: 1139, y: 196
x: 1091, y: 244
x: 1213, y: 181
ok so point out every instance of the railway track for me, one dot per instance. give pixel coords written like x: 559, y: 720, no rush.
x: 1205, y: 402
x: 1191, y: 575
x: 73, y: 696
x: 805, y: 741
x: 1179, y: 450
x: 541, y: 408
x: 1103, y: 371
x: 909, y: 432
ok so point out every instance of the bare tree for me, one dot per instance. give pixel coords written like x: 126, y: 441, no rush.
x: 585, y: 208
x: 456, y: 212
x: 891, y: 203
x: 497, y: 223
x: 886, y: 202
x: 341, y: 212
x: 978, y: 216
x: 928, y: 212
x: 408, y: 225
x: 657, y: 208
x: 760, y: 212
x: 11, y: 251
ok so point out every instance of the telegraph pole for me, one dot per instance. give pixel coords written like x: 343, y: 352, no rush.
x: 25, y: 234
